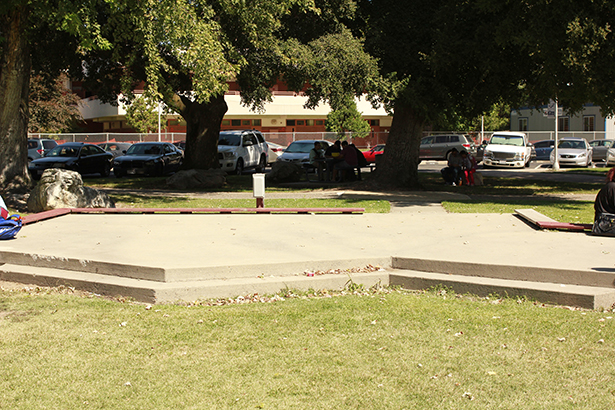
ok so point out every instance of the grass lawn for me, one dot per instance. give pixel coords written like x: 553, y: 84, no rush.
x: 560, y: 210
x: 139, y: 201
x: 387, y: 350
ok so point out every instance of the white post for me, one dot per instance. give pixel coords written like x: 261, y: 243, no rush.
x: 159, y: 114
x: 556, y: 162
x: 482, y: 128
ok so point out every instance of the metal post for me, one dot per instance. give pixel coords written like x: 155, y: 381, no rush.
x: 556, y: 162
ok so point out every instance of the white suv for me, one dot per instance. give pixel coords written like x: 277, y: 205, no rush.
x: 508, y: 149
x: 239, y: 150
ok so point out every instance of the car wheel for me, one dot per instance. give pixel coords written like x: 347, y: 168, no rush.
x: 118, y: 173
x: 239, y: 166
x: 106, y: 170
x: 527, y: 164
x: 261, y: 164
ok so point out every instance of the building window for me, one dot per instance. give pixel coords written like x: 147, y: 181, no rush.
x: 588, y: 123
x: 563, y: 124
x: 256, y: 123
x: 522, y: 124
x: 245, y: 122
x: 300, y: 122
x: 226, y: 122
x: 374, y: 123
x: 320, y: 122
x: 309, y: 123
x: 290, y: 123
x: 236, y: 123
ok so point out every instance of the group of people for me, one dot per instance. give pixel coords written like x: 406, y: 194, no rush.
x: 339, y: 161
x: 461, y: 166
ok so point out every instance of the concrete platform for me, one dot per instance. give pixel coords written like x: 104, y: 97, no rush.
x: 177, y: 256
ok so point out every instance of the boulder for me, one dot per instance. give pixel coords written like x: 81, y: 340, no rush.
x: 285, y: 172
x: 60, y: 188
x: 197, y: 178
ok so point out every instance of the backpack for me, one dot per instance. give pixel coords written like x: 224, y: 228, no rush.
x: 10, y: 226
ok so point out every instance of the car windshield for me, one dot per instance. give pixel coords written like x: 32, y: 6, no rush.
x: 300, y: 147
x: 507, y: 140
x: 61, y: 151
x: 571, y: 144
x: 234, y: 140
x: 144, y: 149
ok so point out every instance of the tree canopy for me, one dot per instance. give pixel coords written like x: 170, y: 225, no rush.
x: 438, y: 57
x: 187, y: 52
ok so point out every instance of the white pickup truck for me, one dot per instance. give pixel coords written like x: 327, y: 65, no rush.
x: 508, y: 149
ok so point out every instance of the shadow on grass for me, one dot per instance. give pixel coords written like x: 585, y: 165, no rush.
x: 510, y: 186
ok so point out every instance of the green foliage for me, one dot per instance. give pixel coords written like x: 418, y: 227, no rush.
x: 346, y: 118
x: 142, y: 114
x: 53, y: 107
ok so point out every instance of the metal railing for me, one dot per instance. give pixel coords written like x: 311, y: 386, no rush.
x: 285, y: 138
x: 281, y: 138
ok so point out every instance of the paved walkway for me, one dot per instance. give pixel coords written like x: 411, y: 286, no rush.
x: 222, y: 248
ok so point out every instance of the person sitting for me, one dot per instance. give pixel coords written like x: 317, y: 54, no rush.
x: 349, y: 162
x: 453, y: 169
x: 333, y: 155
x: 317, y: 159
x: 604, y: 207
x: 468, y: 166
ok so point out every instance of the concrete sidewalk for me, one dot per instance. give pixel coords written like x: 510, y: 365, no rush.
x: 178, y: 251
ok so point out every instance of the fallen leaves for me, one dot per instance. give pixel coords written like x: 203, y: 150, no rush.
x: 366, y: 269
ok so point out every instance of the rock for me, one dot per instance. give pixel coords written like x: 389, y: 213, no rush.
x: 59, y: 188
x: 285, y: 172
x: 197, y: 178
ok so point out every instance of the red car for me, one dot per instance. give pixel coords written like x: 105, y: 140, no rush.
x: 370, y: 155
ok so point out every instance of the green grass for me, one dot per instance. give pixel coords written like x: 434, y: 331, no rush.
x: 234, y: 183
x: 511, y: 186
x: 143, y: 201
x: 397, y: 350
x: 560, y: 210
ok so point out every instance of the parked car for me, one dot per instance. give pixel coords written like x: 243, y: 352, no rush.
x: 240, y: 150
x: 508, y: 149
x: 148, y: 158
x: 38, y: 147
x: 370, y: 155
x: 75, y: 156
x: 573, y: 151
x: 117, y: 149
x: 480, y: 151
x: 600, y: 149
x: 543, y: 149
x: 180, y: 144
x: 274, y: 151
x: 440, y: 146
x: 299, y: 151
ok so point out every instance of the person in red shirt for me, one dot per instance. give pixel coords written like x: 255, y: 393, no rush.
x: 350, y: 162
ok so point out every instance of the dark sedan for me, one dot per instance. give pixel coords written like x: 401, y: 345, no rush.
x: 75, y: 156
x: 148, y: 158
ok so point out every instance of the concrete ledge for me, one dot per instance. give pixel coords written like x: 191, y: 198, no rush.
x: 83, y: 265
x: 152, y: 292
x: 570, y: 295
x: 528, y: 273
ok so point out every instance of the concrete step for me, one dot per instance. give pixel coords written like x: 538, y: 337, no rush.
x: 171, y: 274
x: 604, y: 278
x: 153, y: 291
x: 589, y: 297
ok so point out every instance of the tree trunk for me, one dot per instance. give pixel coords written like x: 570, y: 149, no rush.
x: 399, y: 165
x: 202, y: 130
x: 15, y: 64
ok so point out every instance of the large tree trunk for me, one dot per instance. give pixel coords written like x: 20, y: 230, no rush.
x: 15, y: 64
x: 202, y: 130
x: 399, y: 165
